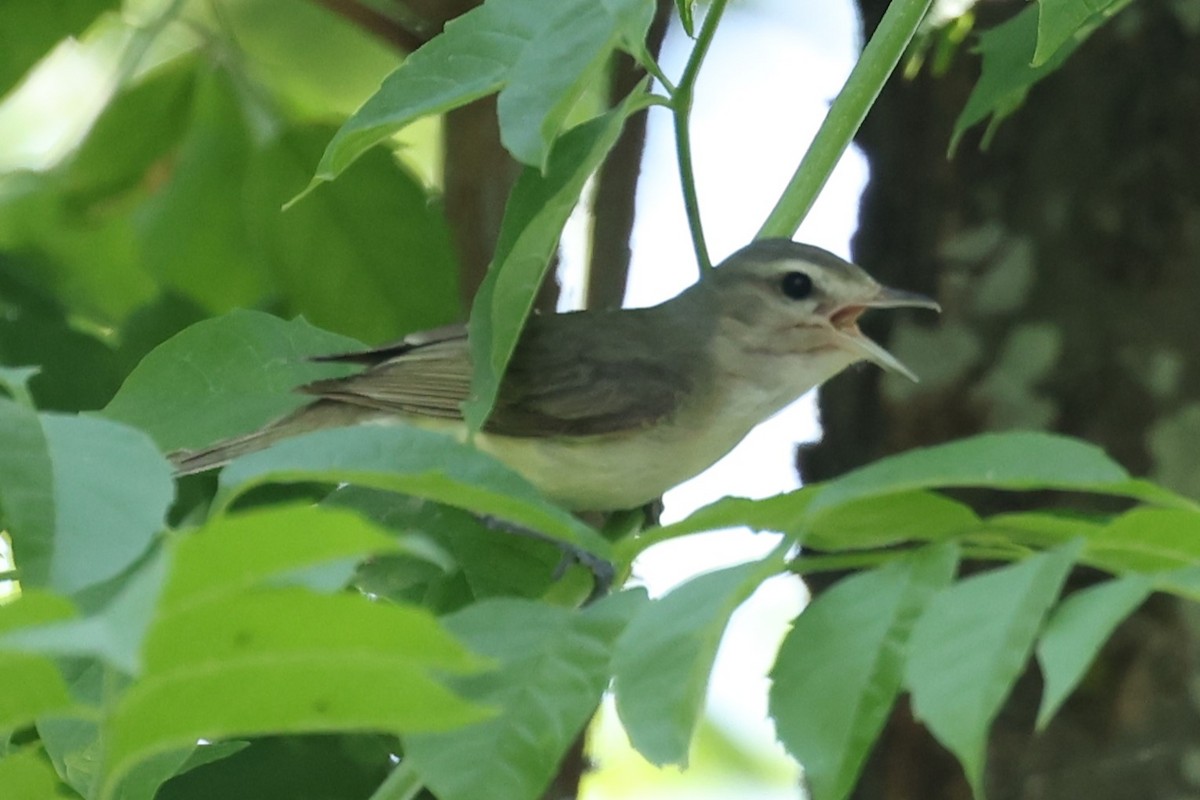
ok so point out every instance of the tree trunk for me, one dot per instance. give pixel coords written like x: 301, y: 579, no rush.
x: 1067, y: 258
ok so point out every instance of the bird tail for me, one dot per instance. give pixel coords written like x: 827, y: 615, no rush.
x: 189, y: 462
x: 315, y: 416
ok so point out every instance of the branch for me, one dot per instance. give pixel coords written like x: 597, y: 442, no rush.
x: 375, y: 22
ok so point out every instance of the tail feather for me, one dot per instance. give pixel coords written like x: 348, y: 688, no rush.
x: 315, y: 416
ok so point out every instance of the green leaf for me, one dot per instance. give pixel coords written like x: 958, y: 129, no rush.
x: 1147, y: 539
x: 784, y: 513
x: 1060, y: 21
x: 42, y: 689
x: 193, y: 232
x: 369, y: 256
x: 279, y: 623
x: 501, y: 43
x: 28, y: 774
x: 113, y: 634
x: 879, y: 521
x: 285, y: 661
x: 141, y: 123
x: 839, y: 668
x: 111, y: 490
x: 224, y: 376
x: 1009, y: 71
x: 40, y: 325
x: 1020, y: 460
x: 465, y: 551
x: 27, y: 491
x: 664, y: 658
x: 970, y: 645
x: 554, y: 666
x: 15, y: 381
x: 1077, y: 630
x: 687, y: 16
x: 238, y: 552
x: 403, y: 458
x: 569, y: 55
x: 537, y: 210
x: 29, y: 30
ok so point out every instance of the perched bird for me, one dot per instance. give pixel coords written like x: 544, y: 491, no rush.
x: 606, y: 410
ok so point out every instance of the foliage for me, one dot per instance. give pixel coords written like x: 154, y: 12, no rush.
x: 351, y: 583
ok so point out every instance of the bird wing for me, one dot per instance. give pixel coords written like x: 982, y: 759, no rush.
x: 567, y: 377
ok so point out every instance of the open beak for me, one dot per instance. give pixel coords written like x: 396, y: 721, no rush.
x: 845, y: 324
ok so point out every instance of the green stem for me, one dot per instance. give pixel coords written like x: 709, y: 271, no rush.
x: 401, y: 783
x: 878, y: 60
x: 681, y: 102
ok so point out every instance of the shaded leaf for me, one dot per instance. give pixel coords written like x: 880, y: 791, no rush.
x: 1018, y: 460
x: 840, y: 667
x: 369, y: 256
x: 105, y: 516
x: 210, y: 262
x: 537, y: 210
x: 1077, y: 630
x: 554, y: 666
x: 970, y: 645
x: 1060, y: 21
x: 1008, y: 72
x: 137, y: 127
x: 224, y: 376
x: 664, y: 658
x: 27, y: 490
x: 407, y: 459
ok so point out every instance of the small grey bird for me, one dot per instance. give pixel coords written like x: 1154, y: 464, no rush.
x: 606, y: 410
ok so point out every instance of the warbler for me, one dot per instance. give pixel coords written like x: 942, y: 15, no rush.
x: 606, y: 410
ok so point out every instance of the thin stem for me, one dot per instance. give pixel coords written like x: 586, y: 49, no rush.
x: 878, y: 60
x: 681, y: 101
x: 401, y: 783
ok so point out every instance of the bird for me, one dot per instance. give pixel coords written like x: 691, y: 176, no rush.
x: 605, y: 410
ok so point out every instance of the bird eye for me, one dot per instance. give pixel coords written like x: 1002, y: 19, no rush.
x: 797, y: 285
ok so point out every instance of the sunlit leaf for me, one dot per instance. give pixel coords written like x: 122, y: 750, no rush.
x: 286, y: 660
x: 42, y: 688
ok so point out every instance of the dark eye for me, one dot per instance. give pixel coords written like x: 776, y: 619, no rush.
x: 797, y: 285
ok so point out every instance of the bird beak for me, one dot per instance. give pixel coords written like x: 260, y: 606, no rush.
x: 845, y: 323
